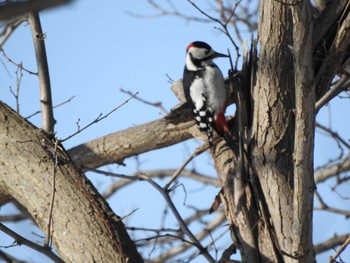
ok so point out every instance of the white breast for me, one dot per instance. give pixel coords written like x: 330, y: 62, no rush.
x: 215, y: 86
x: 212, y: 86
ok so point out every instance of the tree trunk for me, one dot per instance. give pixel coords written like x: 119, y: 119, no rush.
x: 83, y: 227
x: 273, y: 214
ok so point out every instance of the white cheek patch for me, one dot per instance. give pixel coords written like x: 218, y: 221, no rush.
x: 198, y: 53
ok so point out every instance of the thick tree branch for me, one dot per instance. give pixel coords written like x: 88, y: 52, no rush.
x: 333, y: 51
x: 115, y: 147
x: 79, y: 212
x: 333, y: 170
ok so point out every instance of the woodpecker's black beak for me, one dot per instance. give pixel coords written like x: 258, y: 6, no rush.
x: 219, y: 55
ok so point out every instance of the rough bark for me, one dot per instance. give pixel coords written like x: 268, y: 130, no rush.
x: 84, y: 229
x: 282, y: 131
x: 273, y: 125
x: 303, y: 151
x: 267, y: 186
x: 115, y: 147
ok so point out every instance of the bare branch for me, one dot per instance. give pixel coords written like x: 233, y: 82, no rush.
x: 334, y: 135
x: 211, y: 226
x: 10, y: 259
x: 223, y: 25
x: 180, y: 169
x: 56, y: 106
x: 98, y: 119
x: 341, y: 85
x: 9, y: 28
x: 15, y: 94
x: 19, y: 8
x: 47, y: 118
x: 19, y: 240
x: 330, y: 243
x: 167, y: 12
x: 48, y: 242
x: 333, y: 170
x: 114, y: 148
x: 325, y: 207
x: 154, y: 104
x: 13, y: 218
x: 115, y: 186
x: 18, y: 65
x: 340, y: 250
x: 176, y: 213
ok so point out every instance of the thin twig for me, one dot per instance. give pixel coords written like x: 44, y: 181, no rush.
x: 162, y: 173
x: 178, y: 217
x: 223, y: 25
x: 56, y: 106
x: 154, y: 104
x: 15, y: 94
x: 340, y: 250
x: 9, y: 29
x: 325, y: 207
x: 48, y: 242
x: 23, y: 241
x: 333, y: 134
x: 19, y: 65
x: 121, y: 176
x: 197, y: 152
x: 164, y: 12
x: 133, y: 228
x: 98, y: 119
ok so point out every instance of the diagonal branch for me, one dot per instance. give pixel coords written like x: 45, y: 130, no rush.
x: 340, y: 250
x: 330, y: 243
x: 23, y: 241
x: 79, y: 213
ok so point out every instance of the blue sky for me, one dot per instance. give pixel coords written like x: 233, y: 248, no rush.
x: 93, y: 51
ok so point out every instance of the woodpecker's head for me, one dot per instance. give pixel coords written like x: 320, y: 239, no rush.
x: 199, y: 54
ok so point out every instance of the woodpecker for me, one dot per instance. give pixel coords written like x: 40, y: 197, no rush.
x: 205, y: 91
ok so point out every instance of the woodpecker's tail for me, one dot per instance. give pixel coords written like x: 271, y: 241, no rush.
x: 230, y: 142
x: 223, y: 130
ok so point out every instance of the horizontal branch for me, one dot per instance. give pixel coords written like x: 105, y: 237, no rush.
x: 330, y: 243
x: 19, y: 8
x: 116, y: 147
x: 333, y: 170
